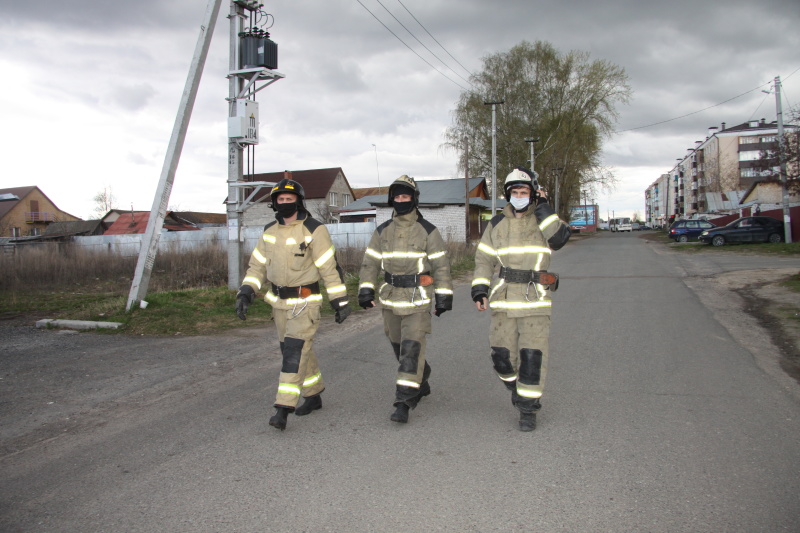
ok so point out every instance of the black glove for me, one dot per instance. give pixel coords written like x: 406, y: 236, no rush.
x: 479, y: 292
x: 366, y: 297
x: 342, y: 309
x: 244, y: 298
x: 444, y: 302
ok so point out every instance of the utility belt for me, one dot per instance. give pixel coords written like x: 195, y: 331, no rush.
x: 541, y: 277
x: 408, y: 280
x: 303, y: 291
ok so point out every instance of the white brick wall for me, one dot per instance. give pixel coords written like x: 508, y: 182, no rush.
x: 449, y: 219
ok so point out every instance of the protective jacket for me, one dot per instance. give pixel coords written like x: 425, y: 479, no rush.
x: 407, y: 245
x: 292, y: 257
x: 521, y: 244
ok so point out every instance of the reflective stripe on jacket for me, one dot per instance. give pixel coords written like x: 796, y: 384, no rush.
x: 291, y: 255
x: 406, y: 244
x: 521, y: 243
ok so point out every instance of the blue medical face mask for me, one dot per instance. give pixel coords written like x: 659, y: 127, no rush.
x: 520, y: 204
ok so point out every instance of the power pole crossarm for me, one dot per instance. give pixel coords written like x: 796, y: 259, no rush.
x: 149, y: 247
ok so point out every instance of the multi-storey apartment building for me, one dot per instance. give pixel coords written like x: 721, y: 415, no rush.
x: 712, y: 176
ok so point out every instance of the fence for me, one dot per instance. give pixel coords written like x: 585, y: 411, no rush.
x: 349, y: 235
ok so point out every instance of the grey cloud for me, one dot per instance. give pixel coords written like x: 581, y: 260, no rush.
x: 132, y: 97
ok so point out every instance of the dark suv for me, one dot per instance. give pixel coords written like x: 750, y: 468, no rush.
x: 747, y: 229
x: 687, y: 230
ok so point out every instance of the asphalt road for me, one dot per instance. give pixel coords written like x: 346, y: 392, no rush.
x: 655, y: 418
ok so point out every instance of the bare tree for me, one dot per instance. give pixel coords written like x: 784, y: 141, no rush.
x: 104, y: 201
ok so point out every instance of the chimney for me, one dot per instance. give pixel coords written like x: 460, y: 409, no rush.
x: 723, y: 126
x: 763, y: 122
x: 711, y: 131
x: 287, y: 174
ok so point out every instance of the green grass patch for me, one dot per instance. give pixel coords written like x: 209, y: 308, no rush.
x: 778, y: 249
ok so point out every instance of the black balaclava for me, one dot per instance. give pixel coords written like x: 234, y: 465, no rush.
x: 403, y: 208
x: 286, y: 210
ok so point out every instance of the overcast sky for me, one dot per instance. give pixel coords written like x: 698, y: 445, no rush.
x: 90, y: 89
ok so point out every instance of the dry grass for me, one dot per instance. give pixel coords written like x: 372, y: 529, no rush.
x: 64, y: 267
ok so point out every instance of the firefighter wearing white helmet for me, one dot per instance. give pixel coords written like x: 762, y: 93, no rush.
x: 511, y: 279
x: 411, y: 254
x: 293, y: 254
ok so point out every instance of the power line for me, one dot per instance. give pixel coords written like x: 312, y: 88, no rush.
x: 420, y: 42
x: 406, y: 45
x: 694, y: 112
x: 709, y: 107
x: 434, y: 38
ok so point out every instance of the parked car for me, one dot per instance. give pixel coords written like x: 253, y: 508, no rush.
x: 747, y: 229
x: 644, y: 227
x: 687, y: 230
x: 635, y: 226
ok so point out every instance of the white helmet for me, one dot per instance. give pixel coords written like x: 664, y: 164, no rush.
x: 521, y: 176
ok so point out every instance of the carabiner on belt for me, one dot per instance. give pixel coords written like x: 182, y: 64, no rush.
x: 536, y: 290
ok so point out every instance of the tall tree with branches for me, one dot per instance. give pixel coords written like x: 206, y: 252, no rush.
x: 566, y: 100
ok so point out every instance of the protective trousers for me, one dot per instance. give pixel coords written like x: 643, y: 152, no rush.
x: 519, y: 354
x: 300, y: 374
x: 406, y: 334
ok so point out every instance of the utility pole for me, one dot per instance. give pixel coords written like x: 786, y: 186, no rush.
x: 466, y: 189
x: 242, y: 80
x: 494, y: 153
x: 149, y: 247
x: 787, y: 219
x: 376, y: 165
x: 532, y: 140
x: 557, y: 172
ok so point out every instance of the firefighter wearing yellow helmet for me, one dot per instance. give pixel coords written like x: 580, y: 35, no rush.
x: 511, y: 278
x: 293, y: 254
x: 410, y: 255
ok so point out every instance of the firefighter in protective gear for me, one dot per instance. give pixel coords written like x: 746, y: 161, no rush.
x: 410, y: 255
x: 511, y: 278
x: 294, y: 253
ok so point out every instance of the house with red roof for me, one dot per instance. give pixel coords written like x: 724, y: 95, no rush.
x: 133, y: 222
x: 327, y: 192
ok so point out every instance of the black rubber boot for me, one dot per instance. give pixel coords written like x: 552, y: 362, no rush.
x: 527, y: 421
x: 312, y: 403
x: 514, y: 397
x: 400, y: 414
x: 278, y: 420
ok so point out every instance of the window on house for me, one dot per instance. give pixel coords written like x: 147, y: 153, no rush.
x: 332, y: 198
x: 345, y: 199
x: 753, y: 155
x: 749, y: 140
x: 15, y: 232
x: 34, y: 232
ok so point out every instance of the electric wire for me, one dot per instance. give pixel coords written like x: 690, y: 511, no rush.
x: 694, y: 112
x: 712, y: 106
x: 421, y: 43
x: 435, y: 40
x: 407, y: 46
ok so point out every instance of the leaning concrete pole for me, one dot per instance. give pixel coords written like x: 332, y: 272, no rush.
x: 149, y: 247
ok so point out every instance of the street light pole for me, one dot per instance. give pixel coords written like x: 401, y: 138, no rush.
x: 376, y: 165
x: 532, y: 140
x: 787, y: 219
x: 494, y: 153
